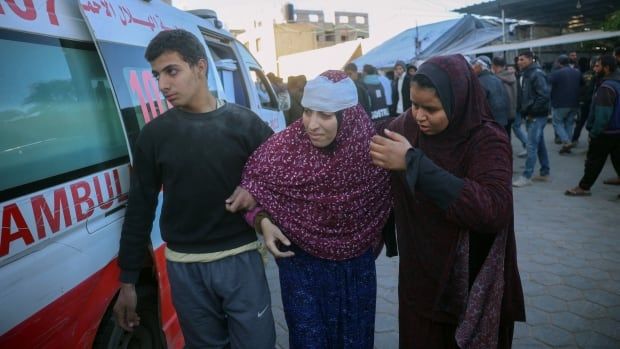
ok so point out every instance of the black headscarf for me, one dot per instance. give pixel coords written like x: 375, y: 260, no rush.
x: 463, y: 100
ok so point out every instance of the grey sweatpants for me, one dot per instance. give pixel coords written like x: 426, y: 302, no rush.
x: 223, y: 304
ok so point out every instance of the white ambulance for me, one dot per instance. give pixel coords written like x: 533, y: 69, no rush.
x: 75, y: 90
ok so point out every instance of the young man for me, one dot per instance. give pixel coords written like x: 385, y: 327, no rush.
x: 565, y: 83
x: 533, y: 104
x: 195, y: 153
x: 509, y: 82
x: 411, y: 70
x: 495, y: 93
x: 376, y: 92
x: 362, y: 93
x: 590, y: 81
x: 401, y: 97
x: 572, y: 60
x: 604, y: 126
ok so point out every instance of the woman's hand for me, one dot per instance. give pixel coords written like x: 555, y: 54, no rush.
x: 240, y: 200
x: 273, y: 238
x: 389, y: 153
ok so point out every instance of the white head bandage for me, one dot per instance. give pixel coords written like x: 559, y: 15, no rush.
x: 323, y: 94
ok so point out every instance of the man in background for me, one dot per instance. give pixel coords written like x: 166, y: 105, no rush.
x: 533, y: 104
x: 401, y: 97
x: 509, y: 81
x: 362, y: 94
x: 493, y: 89
x: 376, y: 92
x: 565, y: 85
x: 604, y: 126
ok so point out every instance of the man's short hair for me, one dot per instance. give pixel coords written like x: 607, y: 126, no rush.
x: 528, y: 54
x: 350, y: 67
x: 181, y: 41
x: 563, y: 60
x: 401, y: 63
x: 369, y: 69
x: 499, y: 61
x: 608, y: 61
x: 412, y: 66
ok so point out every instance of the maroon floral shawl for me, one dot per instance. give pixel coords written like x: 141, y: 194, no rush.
x: 331, y: 202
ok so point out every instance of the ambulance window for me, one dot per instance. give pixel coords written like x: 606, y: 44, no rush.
x: 58, y: 120
x: 136, y: 89
x: 230, y: 73
x: 265, y: 94
x: 245, y: 54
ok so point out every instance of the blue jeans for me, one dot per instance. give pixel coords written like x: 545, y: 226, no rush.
x: 516, y: 127
x: 563, y: 121
x: 536, y: 146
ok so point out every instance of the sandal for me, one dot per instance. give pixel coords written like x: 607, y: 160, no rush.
x: 577, y: 192
x: 612, y: 181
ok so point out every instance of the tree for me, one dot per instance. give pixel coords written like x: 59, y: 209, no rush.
x: 612, y: 22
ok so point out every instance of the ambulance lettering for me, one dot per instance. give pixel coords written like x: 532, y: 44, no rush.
x: 108, y: 182
x: 10, y: 215
x: 125, y: 15
x: 40, y: 208
x: 57, y: 211
x: 28, y: 12
x: 83, y: 198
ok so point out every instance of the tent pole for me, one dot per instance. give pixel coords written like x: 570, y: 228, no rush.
x: 417, y: 40
x: 503, y: 27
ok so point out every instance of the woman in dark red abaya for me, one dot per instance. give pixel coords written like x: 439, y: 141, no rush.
x: 459, y: 285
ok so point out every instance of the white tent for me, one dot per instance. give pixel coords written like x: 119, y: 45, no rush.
x: 446, y: 37
x: 314, y: 62
x: 549, y: 41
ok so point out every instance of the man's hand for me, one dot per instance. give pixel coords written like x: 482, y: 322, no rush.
x: 240, y: 200
x: 273, y: 237
x: 125, y: 308
x: 389, y: 153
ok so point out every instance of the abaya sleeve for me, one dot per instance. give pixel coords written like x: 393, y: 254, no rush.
x: 438, y: 184
x: 482, y: 200
x: 485, y: 203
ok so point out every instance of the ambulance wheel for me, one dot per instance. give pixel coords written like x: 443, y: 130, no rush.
x: 147, y: 335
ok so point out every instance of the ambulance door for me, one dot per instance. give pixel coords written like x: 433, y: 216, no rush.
x: 63, y: 158
x: 261, y: 91
x: 234, y: 91
x: 228, y: 68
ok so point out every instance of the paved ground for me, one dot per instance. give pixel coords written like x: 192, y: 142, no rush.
x: 569, y: 259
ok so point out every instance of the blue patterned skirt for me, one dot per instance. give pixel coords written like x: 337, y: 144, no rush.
x: 329, y: 304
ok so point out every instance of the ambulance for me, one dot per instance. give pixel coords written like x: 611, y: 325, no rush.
x: 75, y: 91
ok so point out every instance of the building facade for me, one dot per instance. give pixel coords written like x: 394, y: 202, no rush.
x: 308, y: 30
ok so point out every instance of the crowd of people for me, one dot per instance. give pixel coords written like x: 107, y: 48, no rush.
x: 570, y: 92
x: 420, y: 165
x: 521, y: 94
x: 522, y: 98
